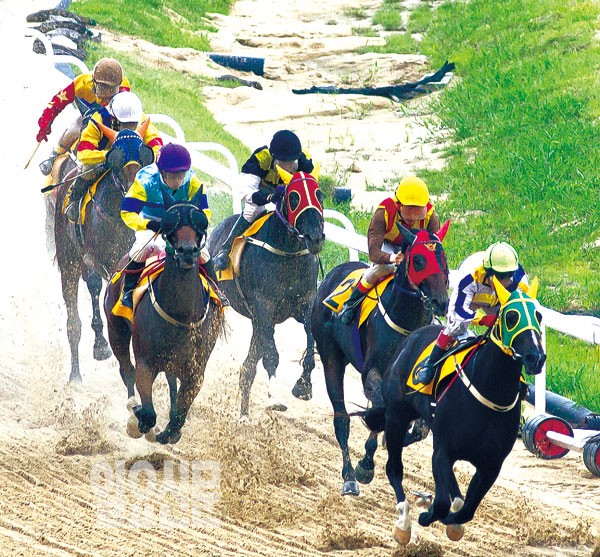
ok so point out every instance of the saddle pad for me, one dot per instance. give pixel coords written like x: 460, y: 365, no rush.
x: 155, y: 265
x: 449, y: 366
x: 54, y: 176
x: 86, y: 198
x: 342, y: 292
x: 237, y: 248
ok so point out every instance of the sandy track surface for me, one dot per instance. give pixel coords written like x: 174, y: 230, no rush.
x: 276, y: 492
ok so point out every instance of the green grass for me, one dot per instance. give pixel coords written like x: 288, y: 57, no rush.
x: 397, y: 42
x: 176, y: 23
x: 388, y: 16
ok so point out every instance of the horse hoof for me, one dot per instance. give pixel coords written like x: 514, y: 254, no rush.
x: 364, y: 475
x: 401, y: 536
x: 102, y: 352
x: 75, y: 378
x: 350, y: 487
x: 302, y: 390
x: 151, y: 435
x: 277, y: 406
x: 244, y: 419
x: 132, y: 428
x: 455, y: 532
x: 165, y: 438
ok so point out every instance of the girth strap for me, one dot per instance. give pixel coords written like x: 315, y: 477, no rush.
x: 170, y: 319
x: 389, y: 321
x: 276, y: 251
x: 486, y: 402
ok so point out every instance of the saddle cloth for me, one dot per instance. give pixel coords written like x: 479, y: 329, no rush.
x: 237, y: 248
x: 155, y: 265
x: 342, y: 292
x: 86, y: 198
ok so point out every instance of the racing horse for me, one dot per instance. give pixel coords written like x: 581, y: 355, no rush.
x: 277, y: 276
x: 417, y: 292
x: 477, y: 409
x: 175, y: 326
x: 93, y: 248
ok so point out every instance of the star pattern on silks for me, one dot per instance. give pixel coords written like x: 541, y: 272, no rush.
x: 63, y: 96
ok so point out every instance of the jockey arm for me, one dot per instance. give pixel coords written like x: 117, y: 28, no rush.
x: 88, y: 151
x: 247, y: 186
x: 152, y: 138
x: 133, y: 203
x: 376, y: 238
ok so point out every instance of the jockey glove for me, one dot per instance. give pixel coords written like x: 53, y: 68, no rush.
x: 42, y: 135
x: 277, y: 195
x: 488, y: 320
x: 45, y: 124
x: 153, y: 225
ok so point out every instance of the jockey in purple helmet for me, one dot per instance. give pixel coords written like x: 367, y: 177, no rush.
x: 143, y: 208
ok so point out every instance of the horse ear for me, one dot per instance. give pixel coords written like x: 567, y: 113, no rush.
x: 441, y: 233
x: 284, y: 174
x: 108, y: 132
x: 143, y: 128
x: 501, y: 292
x: 146, y: 155
x: 533, y: 288
x: 168, y: 199
x: 316, y: 171
x: 406, y: 233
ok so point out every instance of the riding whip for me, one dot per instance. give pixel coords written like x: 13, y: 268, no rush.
x: 32, y: 155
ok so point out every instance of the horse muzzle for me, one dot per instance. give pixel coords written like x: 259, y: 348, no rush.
x: 315, y: 245
x: 533, y: 362
x: 187, y: 258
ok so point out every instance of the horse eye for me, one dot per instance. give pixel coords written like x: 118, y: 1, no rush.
x: 511, y: 319
x: 170, y: 221
x: 319, y: 197
x: 419, y: 262
x: 294, y: 200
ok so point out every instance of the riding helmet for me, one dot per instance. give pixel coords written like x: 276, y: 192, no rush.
x: 412, y: 191
x: 174, y: 158
x: 501, y: 258
x: 126, y: 107
x: 109, y: 71
x: 285, y: 146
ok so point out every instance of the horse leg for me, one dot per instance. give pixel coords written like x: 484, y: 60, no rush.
x: 248, y: 372
x: 271, y: 362
x: 144, y: 379
x: 70, y: 271
x: 303, y: 387
x: 396, y: 422
x: 187, y: 393
x: 334, y: 366
x: 119, y: 335
x: 365, y: 467
x: 441, y: 465
x: 94, y: 283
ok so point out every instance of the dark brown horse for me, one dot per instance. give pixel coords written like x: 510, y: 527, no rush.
x: 93, y: 248
x: 277, y: 276
x: 174, y: 329
x: 418, y: 290
x: 474, y: 414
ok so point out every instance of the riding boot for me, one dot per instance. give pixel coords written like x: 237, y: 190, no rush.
x: 130, y: 280
x: 212, y: 275
x: 348, y: 311
x: 76, y: 194
x: 426, y: 372
x: 221, y: 260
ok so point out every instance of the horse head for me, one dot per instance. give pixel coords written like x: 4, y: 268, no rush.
x: 518, y: 328
x: 184, y: 227
x: 425, y: 266
x: 302, y: 209
x: 128, y: 153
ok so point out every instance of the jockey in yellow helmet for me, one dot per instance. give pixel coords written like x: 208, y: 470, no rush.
x: 412, y: 208
x: 96, y: 87
x: 474, y: 300
x: 261, y: 183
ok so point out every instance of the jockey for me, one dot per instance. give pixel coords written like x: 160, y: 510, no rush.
x: 260, y: 183
x: 411, y: 207
x: 97, y: 87
x: 474, y: 300
x: 143, y: 208
x: 123, y: 112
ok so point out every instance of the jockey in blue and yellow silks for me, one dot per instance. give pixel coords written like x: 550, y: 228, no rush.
x: 123, y: 112
x: 143, y: 209
x: 412, y: 208
x: 474, y: 300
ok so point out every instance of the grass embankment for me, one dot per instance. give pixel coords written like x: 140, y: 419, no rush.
x: 523, y: 167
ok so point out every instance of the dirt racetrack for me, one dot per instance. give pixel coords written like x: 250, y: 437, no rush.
x: 73, y: 484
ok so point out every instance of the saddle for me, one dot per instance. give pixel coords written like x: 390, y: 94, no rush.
x: 341, y: 293
x: 154, y: 266
x: 450, y: 364
x: 237, y: 248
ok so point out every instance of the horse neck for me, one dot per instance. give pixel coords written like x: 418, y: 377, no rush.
x: 179, y: 291
x: 404, y: 304
x: 109, y: 195
x: 494, y: 373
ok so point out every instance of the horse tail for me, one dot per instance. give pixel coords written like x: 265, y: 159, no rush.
x: 373, y: 418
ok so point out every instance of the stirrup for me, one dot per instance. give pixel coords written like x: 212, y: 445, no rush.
x: 222, y: 261
x: 425, y: 374
x: 46, y: 166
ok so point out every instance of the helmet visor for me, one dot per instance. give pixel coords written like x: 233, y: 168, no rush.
x: 105, y: 89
